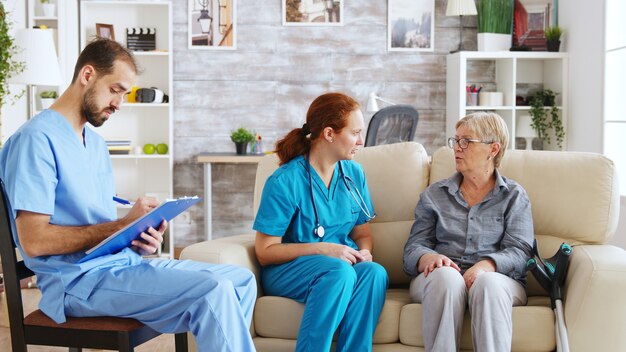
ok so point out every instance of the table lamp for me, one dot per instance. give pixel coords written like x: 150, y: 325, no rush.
x: 372, y: 102
x: 525, y: 130
x: 36, y: 50
x: 460, y: 8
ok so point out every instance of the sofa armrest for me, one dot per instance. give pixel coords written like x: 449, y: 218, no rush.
x: 235, y: 250
x: 595, y: 298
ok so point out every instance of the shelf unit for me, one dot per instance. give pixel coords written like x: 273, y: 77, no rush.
x: 139, y: 174
x: 63, y: 24
x: 515, y: 73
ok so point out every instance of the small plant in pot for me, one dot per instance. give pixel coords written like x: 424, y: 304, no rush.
x: 241, y: 137
x: 47, y: 98
x: 553, y: 37
x: 545, y: 117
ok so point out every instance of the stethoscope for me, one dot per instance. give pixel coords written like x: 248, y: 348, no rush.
x: 319, y: 229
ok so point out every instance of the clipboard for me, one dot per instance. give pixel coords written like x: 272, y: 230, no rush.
x: 122, y: 238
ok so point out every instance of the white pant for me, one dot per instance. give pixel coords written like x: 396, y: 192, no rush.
x: 444, y: 298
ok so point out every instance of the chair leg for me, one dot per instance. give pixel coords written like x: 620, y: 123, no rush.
x: 123, y: 343
x: 181, y: 342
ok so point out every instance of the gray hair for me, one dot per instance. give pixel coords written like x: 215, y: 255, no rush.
x: 488, y: 126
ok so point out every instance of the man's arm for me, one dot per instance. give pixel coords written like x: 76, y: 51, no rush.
x: 38, y: 237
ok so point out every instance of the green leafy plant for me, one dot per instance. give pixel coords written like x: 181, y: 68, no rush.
x: 48, y: 94
x: 8, y: 66
x: 553, y: 34
x: 545, y: 116
x: 241, y: 135
x: 44, y: 1
x: 495, y: 16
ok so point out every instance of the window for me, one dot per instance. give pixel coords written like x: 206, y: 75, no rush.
x: 615, y: 78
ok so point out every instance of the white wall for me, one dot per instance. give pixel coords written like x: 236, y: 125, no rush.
x: 583, y: 22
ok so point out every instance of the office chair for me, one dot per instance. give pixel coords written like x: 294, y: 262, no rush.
x: 392, y: 124
x: 109, y: 333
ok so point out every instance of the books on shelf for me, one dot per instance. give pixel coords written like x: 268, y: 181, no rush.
x: 118, y: 146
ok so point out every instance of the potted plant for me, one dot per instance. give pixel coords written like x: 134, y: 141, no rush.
x: 553, y: 37
x: 495, y: 24
x: 8, y: 66
x: 241, y: 137
x: 545, y: 117
x: 47, y: 98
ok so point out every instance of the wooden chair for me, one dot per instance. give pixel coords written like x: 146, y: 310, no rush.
x: 109, y: 333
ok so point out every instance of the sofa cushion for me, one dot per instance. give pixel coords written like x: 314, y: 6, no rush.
x: 533, y: 327
x: 290, y: 312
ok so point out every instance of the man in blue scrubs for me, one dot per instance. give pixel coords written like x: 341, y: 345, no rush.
x: 59, y: 180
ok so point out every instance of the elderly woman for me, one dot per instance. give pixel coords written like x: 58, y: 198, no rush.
x: 470, y: 241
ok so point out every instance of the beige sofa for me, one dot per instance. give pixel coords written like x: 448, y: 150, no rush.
x: 574, y: 199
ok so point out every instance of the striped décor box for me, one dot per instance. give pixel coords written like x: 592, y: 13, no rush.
x: 140, y: 38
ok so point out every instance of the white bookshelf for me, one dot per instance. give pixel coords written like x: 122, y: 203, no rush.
x: 514, y: 73
x: 139, y: 174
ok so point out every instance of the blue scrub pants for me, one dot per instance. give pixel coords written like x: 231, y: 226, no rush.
x: 336, y: 294
x: 214, y: 302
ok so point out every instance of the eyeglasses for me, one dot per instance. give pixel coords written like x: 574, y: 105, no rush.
x: 463, y: 142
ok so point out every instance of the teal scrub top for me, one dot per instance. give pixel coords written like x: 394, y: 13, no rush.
x: 286, y: 207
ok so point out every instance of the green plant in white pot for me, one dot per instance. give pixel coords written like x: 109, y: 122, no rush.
x: 495, y: 24
x: 47, y: 98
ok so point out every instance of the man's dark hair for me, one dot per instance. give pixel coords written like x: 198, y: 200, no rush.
x: 102, y: 53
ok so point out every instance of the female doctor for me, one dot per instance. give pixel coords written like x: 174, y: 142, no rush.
x: 313, y: 238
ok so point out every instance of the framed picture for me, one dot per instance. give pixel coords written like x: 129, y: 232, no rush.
x: 312, y: 12
x: 105, y: 31
x: 411, y: 25
x: 212, y: 24
x: 530, y: 18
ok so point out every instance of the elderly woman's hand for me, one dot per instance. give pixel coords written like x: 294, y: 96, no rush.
x: 431, y: 261
x: 483, y: 266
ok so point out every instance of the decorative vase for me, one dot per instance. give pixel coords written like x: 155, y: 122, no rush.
x: 494, y: 42
x: 553, y: 45
x: 46, y: 103
x: 242, y: 148
x: 48, y: 9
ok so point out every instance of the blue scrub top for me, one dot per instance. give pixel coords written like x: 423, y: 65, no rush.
x: 286, y: 207
x: 48, y: 170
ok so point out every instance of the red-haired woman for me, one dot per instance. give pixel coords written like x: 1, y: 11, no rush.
x: 313, y: 238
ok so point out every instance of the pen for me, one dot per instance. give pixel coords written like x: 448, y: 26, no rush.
x: 121, y: 200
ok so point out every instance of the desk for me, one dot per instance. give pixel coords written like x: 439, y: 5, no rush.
x: 225, y: 158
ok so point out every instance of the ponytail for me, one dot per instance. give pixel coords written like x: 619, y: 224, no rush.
x: 327, y: 110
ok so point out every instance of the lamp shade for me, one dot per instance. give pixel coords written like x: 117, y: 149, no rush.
x: 372, y: 104
x: 36, y: 50
x: 461, y: 8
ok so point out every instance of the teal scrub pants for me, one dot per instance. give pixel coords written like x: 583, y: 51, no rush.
x: 214, y: 302
x: 336, y: 295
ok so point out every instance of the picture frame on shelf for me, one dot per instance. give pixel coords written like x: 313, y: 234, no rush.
x: 411, y: 25
x: 530, y: 19
x: 104, y: 30
x: 212, y: 24
x: 312, y: 13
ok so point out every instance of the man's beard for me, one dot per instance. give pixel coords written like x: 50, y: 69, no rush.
x: 89, y: 109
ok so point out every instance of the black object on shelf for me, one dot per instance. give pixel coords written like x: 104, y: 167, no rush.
x: 140, y: 38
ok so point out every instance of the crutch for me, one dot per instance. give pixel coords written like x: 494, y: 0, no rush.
x: 550, y: 273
